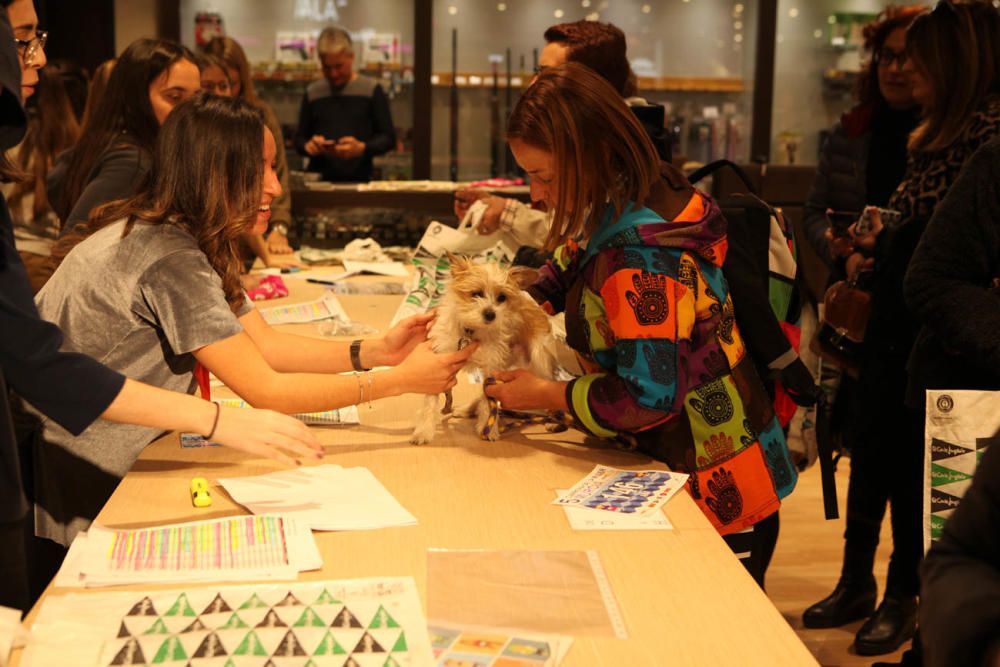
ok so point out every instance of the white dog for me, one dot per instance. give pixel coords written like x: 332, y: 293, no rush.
x: 487, y: 304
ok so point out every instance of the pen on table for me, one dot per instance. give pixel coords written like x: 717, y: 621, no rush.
x: 319, y: 281
x: 290, y: 269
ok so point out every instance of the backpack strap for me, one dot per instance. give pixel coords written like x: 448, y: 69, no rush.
x: 713, y: 167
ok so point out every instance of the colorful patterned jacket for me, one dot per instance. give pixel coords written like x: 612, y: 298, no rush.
x: 649, y: 313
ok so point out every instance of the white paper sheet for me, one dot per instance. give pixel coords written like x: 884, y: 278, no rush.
x: 326, y: 497
x: 379, y: 268
x: 231, y: 549
x: 588, y: 519
x: 324, y: 308
x: 357, y: 620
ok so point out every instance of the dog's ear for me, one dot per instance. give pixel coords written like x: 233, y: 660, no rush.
x: 523, y: 276
x: 459, y: 264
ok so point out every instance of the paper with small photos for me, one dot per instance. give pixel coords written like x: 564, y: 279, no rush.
x: 587, y: 519
x: 633, y: 492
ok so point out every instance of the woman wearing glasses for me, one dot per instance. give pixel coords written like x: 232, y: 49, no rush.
x: 954, y: 65
x: 861, y: 162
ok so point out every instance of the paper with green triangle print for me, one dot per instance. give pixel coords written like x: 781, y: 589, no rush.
x: 959, y: 427
x: 181, y: 607
x: 367, y: 622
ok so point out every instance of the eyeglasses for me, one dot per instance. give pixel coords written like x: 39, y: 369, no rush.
x: 885, y: 57
x: 31, y: 47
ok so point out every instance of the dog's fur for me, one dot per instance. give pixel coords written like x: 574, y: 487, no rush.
x: 487, y: 304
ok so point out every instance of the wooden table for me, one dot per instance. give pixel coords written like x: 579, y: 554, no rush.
x: 686, y: 600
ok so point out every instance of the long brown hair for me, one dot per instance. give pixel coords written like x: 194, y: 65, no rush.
x: 602, y: 154
x: 98, y: 86
x: 52, y: 128
x: 956, y: 47
x: 231, y: 53
x: 207, y: 178
x: 123, y: 114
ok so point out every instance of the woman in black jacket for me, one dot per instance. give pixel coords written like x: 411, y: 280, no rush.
x: 863, y: 160
x: 74, y: 389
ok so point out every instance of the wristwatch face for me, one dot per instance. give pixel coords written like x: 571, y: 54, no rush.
x: 281, y: 228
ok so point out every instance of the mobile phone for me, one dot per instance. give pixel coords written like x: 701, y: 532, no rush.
x: 888, y: 215
x: 840, y: 221
x: 329, y: 142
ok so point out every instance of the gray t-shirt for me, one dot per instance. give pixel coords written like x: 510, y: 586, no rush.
x: 140, y: 305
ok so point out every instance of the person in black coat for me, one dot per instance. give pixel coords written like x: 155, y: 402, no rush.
x: 951, y: 288
x: 951, y: 285
x: 862, y: 162
x: 74, y: 389
x: 960, y: 578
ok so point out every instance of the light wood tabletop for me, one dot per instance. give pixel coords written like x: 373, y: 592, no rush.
x: 684, y: 597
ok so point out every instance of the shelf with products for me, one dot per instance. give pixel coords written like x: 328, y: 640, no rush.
x: 403, y: 75
x: 646, y: 83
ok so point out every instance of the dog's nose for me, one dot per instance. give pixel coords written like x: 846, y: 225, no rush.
x: 489, y: 315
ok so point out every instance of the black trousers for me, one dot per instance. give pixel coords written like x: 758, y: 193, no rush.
x: 755, y: 546
x: 887, y: 469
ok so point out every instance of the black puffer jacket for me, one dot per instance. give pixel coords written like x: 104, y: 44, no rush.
x: 839, y: 184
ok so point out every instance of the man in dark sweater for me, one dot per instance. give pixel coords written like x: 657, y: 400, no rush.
x: 344, y: 121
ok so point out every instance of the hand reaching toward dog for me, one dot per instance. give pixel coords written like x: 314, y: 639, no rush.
x: 427, y: 372
x: 521, y: 389
x: 398, y: 342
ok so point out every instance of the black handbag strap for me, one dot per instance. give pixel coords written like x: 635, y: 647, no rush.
x: 824, y: 447
x: 713, y: 167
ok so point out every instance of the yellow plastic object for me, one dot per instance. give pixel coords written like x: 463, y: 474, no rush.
x: 199, y: 492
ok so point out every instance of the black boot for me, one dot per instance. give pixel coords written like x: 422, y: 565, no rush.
x: 851, y: 600
x: 892, y: 624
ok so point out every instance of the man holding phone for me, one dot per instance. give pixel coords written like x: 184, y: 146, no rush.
x: 344, y: 120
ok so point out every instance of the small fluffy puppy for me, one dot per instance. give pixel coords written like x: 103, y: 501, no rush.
x: 487, y: 304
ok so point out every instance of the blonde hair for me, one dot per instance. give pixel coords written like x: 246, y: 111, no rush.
x: 334, y: 40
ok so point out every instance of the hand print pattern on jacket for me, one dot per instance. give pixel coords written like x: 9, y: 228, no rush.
x: 649, y: 312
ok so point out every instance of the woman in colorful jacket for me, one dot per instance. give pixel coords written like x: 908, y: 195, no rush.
x: 647, y: 309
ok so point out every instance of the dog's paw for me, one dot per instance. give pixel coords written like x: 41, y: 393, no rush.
x: 556, y: 428
x: 422, y: 435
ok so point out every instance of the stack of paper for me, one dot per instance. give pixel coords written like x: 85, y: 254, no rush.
x: 232, y: 549
x: 326, y: 497
x: 627, y: 492
x: 347, y: 415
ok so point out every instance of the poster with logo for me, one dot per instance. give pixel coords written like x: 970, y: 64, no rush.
x: 960, y: 426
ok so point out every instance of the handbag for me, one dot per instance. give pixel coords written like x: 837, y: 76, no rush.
x: 841, y: 334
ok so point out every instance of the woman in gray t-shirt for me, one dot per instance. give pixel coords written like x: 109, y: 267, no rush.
x: 153, y: 288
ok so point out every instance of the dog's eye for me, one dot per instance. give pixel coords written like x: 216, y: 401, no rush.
x: 477, y: 295
x: 501, y: 298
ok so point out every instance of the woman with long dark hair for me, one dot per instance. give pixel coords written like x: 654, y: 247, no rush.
x: 638, y: 271
x: 113, y: 155
x: 229, y: 51
x: 152, y: 285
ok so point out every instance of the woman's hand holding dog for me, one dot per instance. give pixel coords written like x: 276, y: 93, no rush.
x: 426, y: 372
x: 523, y: 390
x: 398, y: 342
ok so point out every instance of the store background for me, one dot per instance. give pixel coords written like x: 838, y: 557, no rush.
x: 694, y: 40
